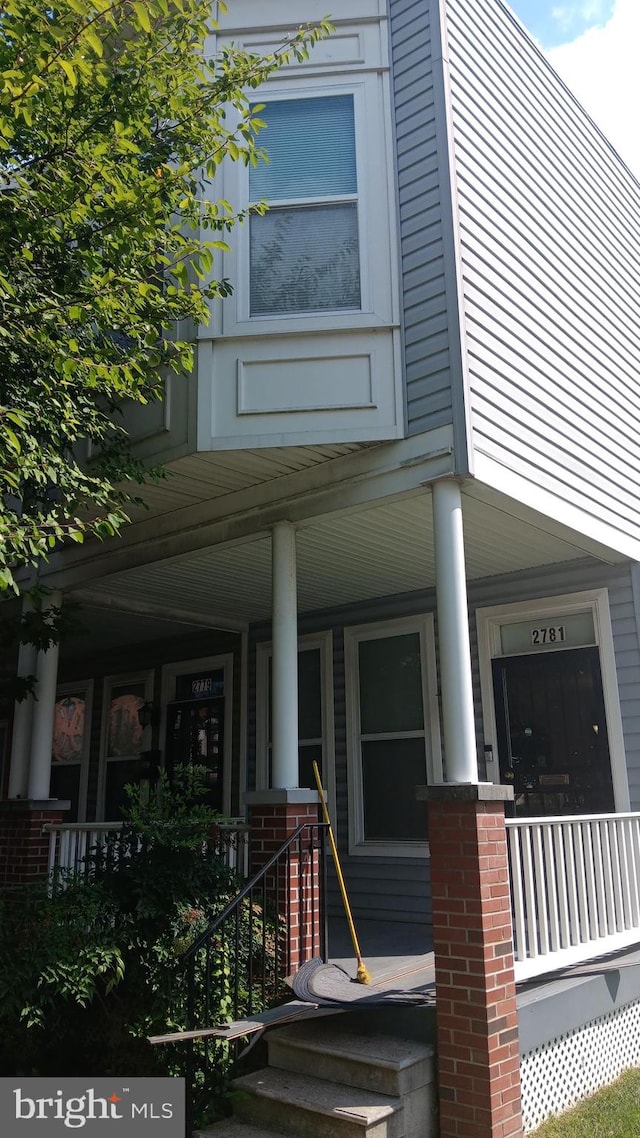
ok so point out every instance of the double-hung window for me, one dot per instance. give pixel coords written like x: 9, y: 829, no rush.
x: 305, y: 251
x: 393, y: 740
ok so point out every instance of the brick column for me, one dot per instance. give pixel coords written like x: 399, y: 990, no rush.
x: 24, y: 848
x: 477, y: 1021
x: 295, y: 887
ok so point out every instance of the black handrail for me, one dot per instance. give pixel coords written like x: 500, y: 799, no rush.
x: 236, y: 966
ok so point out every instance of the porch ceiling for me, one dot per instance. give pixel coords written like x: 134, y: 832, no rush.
x: 342, y: 558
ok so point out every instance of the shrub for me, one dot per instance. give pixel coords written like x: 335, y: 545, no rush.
x: 91, y: 968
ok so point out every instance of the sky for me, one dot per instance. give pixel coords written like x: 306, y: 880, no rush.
x: 594, y: 45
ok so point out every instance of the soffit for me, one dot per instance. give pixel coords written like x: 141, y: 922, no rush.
x: 203, y: 477
x: 342, y: 559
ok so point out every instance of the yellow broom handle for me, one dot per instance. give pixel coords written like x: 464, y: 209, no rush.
x: 336, y: 861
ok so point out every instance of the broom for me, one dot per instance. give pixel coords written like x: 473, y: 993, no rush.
x: 363, y: 976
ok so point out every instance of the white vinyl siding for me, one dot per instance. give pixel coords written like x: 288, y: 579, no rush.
x: 550, y: 246
x: 420, y: 191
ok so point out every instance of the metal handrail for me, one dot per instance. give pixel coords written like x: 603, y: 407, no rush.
x: 248, y: 888
x: 236, y: 966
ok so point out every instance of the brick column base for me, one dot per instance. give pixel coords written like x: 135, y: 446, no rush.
x: 477, y: 1021
x: 295, y: 887
x: 24, y: 848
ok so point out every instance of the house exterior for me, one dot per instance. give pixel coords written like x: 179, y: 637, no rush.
x: 444, y: 293
x: 400, y: 534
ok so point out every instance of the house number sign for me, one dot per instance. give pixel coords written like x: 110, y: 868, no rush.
x: 552, y: 634
x: 567, y: 630
x: 202, y: 686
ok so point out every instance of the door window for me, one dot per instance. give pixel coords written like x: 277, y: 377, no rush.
x: 70, y: 747
x: 124, y: 738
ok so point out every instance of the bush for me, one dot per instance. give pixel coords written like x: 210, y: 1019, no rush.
x: 89, y: 971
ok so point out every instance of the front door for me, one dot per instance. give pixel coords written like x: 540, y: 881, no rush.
x: 552, y: 732
x: 195, y: 730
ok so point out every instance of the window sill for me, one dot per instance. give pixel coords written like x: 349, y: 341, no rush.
x: 408, y: 850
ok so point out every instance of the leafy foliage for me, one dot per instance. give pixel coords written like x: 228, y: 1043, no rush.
x: 113, y: 124
x: 88, y: 972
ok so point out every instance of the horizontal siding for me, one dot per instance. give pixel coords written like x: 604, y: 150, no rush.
x: 426, y: 329
x: 398, y: 888
x: 550, y: 247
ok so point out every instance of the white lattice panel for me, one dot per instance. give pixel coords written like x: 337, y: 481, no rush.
x: 558, y: 1074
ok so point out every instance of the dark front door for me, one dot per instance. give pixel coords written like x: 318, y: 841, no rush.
x: 552, y: 732
x: 195, y: 735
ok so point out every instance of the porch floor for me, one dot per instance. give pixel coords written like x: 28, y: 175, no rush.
x: 385, y: 946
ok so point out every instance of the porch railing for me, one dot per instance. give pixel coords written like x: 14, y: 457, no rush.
x: 71, y: 844
x: 236, y: 966
x: 575, y: 887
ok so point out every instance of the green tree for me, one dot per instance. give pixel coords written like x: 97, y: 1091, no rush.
x: 114, y: 121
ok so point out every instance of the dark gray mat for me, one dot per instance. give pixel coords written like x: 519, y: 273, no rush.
x: 329, y: 985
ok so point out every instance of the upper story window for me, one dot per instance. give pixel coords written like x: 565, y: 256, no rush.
x: 323, y: 258
x: 305, y: 251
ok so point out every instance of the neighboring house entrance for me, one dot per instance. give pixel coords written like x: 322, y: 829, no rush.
x: 196, y: 729
x: 552, y: 732
x: 195, y: 734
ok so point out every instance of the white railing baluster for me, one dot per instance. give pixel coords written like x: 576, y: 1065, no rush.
x: 551, y: 871
x: 634, y: 868
x: 625, y: 877
x: 600, y: 882
x: 563, y: 892
x: 575, y: 886
x: 529, y: 894
x: 616, y: 873
x: 572, y: 885
x: 590, y: 879
x: 583, y: 904
x: 608, y: 879
x: 72, y: 847
x: 519, y: 922
x: 541, y: 910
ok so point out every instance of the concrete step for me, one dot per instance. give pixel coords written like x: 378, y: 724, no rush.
x: 313, y: 1108
x: 384, y: 1063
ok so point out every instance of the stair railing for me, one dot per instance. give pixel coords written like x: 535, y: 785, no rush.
x: 236, y: 967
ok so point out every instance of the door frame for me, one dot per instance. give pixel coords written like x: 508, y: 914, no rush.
x: 489, y: 622
x: 170, y: 673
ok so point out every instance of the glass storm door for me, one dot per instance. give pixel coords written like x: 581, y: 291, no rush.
x: 552, y: 732
x: 195, y: 734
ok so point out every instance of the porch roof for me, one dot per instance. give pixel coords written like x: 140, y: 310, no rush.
x: 345, y: 557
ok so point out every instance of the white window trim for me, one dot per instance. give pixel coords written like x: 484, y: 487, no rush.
x: 423, y: 624
x: 376, y: 217
x: 170, y: 673
x: 264, y: 650
x: 62, y: 690
x: 489, y: 623
x: 144, y: 676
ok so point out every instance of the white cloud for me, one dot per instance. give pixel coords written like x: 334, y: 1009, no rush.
x: 576, y: 15
x: 602, y: 69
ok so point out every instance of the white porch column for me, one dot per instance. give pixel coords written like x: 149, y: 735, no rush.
x: 453, y: 634
x: 284, y: 705
x: 22, y: 720
x: 43, y: 714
